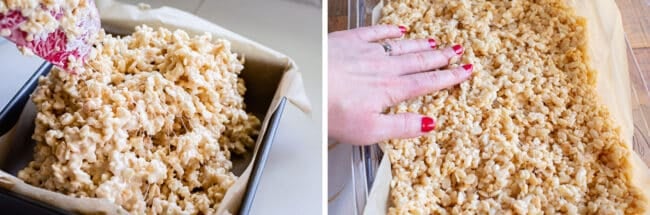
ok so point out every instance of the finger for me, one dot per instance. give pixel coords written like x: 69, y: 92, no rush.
x: 423, y: 83
x: 378, y: 32
x: 400, y: 47
x: 424, y: 61
x: 405, y: 125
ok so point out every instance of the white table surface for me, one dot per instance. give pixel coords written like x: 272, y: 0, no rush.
x: 291, y: 182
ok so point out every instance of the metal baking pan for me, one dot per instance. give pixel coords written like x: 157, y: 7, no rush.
x: 17, y: 126
x: 366, y: 159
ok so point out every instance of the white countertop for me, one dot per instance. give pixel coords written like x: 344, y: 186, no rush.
x: 291, y: 182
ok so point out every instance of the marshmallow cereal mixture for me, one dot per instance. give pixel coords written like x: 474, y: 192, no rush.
x: 526, y: 134
x: 150, y: 123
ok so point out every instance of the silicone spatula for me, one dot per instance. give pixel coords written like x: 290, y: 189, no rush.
x: 56, y: 46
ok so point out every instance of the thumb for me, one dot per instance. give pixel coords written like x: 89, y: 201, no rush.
x: 405, y: 125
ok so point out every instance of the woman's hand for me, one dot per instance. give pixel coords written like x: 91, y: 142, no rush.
x: 365, y: 78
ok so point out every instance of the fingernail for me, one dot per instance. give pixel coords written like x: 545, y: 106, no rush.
x: 428, y: 124
x: 432, y: 43
x: 468, y: 67
x: 402, y: 29
x: 458, y: 49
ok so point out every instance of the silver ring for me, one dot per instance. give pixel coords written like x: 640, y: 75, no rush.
x: 387, y: 48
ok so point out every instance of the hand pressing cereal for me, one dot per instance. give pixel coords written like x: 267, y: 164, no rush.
x: 369, y: 72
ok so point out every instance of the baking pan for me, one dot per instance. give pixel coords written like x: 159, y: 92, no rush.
x: 17, y: 125
x: 365, y: 159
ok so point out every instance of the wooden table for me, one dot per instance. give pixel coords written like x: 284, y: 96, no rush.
x: 636, y: 21
x: 337, y: 15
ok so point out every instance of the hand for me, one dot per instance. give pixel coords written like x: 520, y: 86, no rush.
x: 365, y: 79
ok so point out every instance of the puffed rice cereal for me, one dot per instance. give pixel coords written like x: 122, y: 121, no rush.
x: 527, y: 134
x: 149, y: 124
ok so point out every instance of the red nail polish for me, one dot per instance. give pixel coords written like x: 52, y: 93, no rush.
x: 428, y: 124
x: 402, y: 29
x: 432, y: 43
x: 468, y: 67
x: 458, y: 49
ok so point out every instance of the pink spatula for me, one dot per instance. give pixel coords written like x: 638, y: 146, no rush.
x: 65, y: 45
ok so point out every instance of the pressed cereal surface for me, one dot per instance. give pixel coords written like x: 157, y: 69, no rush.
x: 150, y: 124
x: 526, y: 134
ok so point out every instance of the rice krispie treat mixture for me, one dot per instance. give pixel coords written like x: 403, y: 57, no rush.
x: 527, y: 134
x: 150, y: 124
